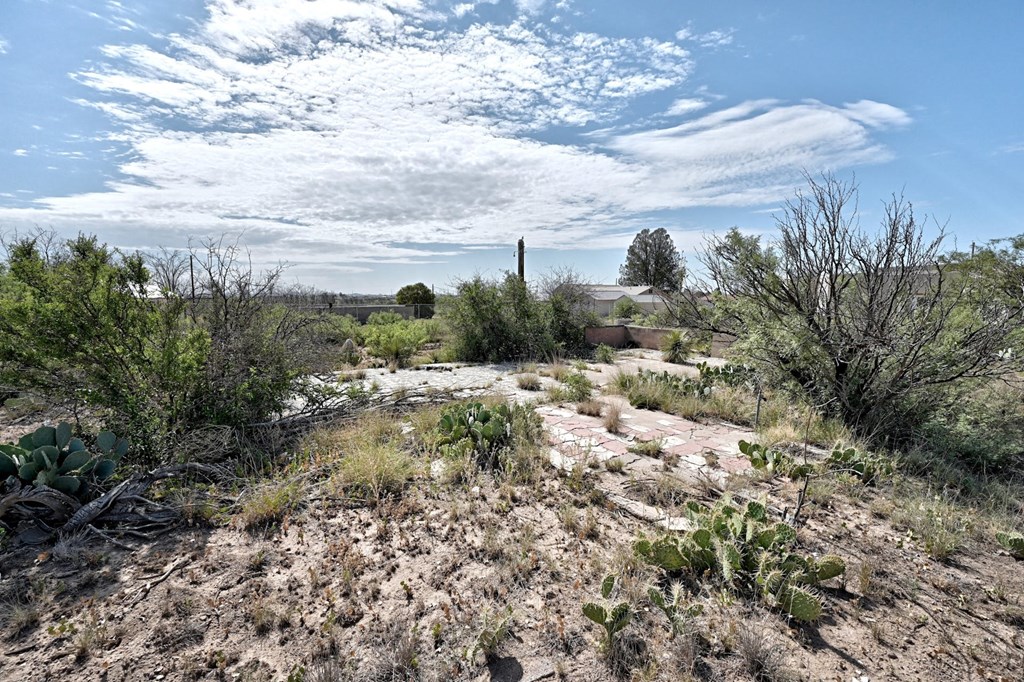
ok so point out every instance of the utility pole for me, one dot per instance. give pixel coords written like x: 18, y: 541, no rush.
x: 522, y: 259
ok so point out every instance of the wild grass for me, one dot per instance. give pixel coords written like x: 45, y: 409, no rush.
x: 268, y: 504
x: 374, y: 472
x: 612, y: 417
x: 590, y: 408
x: 528, y: 382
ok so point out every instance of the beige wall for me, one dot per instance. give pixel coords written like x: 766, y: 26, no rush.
x: 619, y: 336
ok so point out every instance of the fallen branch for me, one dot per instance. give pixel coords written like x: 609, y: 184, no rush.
x: 144, y: 592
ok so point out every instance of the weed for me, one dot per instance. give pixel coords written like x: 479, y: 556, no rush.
x: 528, y: 382
x: 937, y: 524
x: 493, y: 629
x: 590, y: 408
x: 578, y: 387
x: 762, y: 655
x: 374, y: 472
x: 648, y: 448
x: 604, y: 355
x: 614, y: 465
x: 612, y: 417
x: 268, y: 504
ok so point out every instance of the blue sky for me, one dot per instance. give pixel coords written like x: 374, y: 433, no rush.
x: 371, y: 144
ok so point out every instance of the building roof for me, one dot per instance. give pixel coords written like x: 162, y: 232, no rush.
x: 622, y: 290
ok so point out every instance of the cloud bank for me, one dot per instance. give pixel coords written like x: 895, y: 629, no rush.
x: 345, y: 131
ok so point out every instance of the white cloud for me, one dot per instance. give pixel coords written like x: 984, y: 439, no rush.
x: 711, y: 39
x: 5, y: 46
x: 20, y: 152
x: 333, y: 131
x: 683, y: 107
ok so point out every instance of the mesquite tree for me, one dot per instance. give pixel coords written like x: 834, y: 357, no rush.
x: 873, y: 325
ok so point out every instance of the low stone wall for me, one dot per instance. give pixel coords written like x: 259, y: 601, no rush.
x: 621, y: 335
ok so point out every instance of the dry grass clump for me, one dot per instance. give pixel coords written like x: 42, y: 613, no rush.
x: 557, y: 371
x: 268, y: 504
x: 373, y: 472
x: 590, y: 408
x: 528, y: 382
x: 613, y: 418
x: 761, y: 653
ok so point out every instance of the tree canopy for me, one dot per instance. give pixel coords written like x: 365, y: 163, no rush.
x: 415, y: 294
x: 653, y: 260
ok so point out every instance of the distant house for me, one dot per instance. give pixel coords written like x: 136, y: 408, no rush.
x: 604, y: 297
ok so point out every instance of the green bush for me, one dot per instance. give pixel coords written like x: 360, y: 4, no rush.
x: 496, y: 321
x: 78, y: 322
x: 395, y: 342
x: 578, y: 387
x: 627, y: 308
x: 604, y: 354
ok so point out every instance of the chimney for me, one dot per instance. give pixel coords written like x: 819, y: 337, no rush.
x: 522, y: 259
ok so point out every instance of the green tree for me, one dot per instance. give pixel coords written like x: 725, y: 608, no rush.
x: 415, y: 294
x: 653, y: 260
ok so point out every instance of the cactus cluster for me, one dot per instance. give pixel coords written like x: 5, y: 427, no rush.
x: 742, y: 550
x: 867, y: 466
x: 51, y: 457
x: 870, y: 468
x: 474, y: 428
x: 728, y: 374
x: 1013, y: 542
x: 766, y: 459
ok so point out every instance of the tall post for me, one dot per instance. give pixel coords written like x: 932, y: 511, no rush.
x: 522, y: 259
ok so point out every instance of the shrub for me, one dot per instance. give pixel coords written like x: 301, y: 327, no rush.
x: 591, y: 408
x: 160, y: 367
x: 495, y: 321
x: 627, y: 308
x: 578, y: 386
x: 604, y: 354
x: 395, y: 341
x: 676, y: 347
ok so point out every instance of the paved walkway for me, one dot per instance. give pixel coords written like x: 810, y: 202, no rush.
x: 690, y: 451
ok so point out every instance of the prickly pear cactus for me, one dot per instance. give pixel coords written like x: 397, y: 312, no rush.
x: 50, y: 456
x: 800, y: 603
x: 1013, y: 542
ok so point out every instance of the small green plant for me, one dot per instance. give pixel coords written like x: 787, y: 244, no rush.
x: 1013, y: 542
x: 578, y: 387
x: 494, y: 629
x: 648, y: 448
x: 613, y: 619
x: 604, y: 354
x: 50, y: 456
x: 676, y: 347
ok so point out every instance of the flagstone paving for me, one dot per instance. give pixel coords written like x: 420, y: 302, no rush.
x: 691, y: 451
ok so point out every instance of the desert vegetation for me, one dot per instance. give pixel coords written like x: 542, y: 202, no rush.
x: 202, y: 480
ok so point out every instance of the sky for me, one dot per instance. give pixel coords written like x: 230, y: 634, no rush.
x: 370, y: 144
